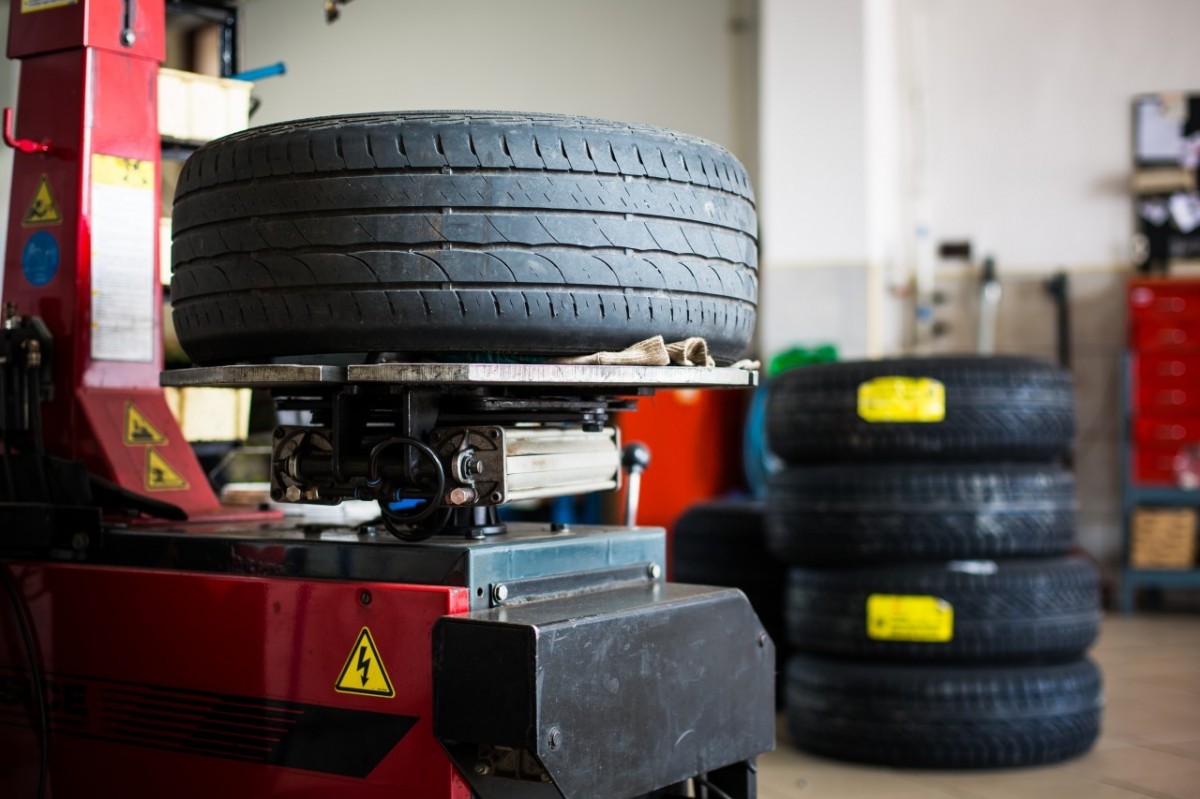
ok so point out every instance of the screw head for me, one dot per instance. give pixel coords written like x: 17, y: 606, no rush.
x: 482, y: 769
x: 762, y: 640
x: 80, y: 541
x: 128, y: 37
x: 500, y: 592
x: 461, y: 496
x: 364, y: 597
x: 655, y: 571
x: 554, y: 738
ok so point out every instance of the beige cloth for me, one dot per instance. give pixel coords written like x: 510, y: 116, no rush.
x: 653, y: 352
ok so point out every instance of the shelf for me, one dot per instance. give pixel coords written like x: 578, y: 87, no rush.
x: 1147, y: 495
x: 1133, y: 579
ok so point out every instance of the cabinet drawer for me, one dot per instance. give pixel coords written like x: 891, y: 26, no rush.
x: 1157, y: 399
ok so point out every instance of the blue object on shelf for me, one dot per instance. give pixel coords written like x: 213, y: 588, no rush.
x: 269, y: 71
x: 406, y: 504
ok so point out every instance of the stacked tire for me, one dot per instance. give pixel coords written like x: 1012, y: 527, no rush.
x: 938, y: 618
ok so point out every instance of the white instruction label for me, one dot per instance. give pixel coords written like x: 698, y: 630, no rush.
x: 123, y: 273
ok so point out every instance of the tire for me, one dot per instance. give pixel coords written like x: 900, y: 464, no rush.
x: 1018, y: 610
x: 722, y: 543
x: 996, y: 408
x: 842, y: 514
x: 943, y: 716
x: 460, y: 232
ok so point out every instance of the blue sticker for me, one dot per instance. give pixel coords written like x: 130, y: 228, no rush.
x: 39, y: 261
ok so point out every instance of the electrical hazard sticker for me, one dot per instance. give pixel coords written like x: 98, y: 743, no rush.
x: 902, y: 399
x: 898, y: 617
x: 160, y: 475
x: 43, y: 208
x: 364, y: 672
x: 138, y: 429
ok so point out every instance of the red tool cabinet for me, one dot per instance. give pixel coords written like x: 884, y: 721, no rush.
x: 1164, y: 377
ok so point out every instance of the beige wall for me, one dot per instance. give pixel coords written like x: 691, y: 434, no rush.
x: 664, y: 62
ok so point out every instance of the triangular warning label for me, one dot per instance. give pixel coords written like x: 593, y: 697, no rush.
x: 160, y: 475
x: 138, y: 429
x: 43, y: 209
x: 364, y: 672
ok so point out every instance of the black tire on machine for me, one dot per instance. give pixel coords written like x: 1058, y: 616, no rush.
x: 466, y: 233
x: 943, y: 716
x: 995, y: 408
x: 822, y: 515
x: 1045, y: 609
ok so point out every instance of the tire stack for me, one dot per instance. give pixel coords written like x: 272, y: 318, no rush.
x: 938, y: 619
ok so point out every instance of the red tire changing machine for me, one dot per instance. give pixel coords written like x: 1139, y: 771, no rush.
x: 212, y: 655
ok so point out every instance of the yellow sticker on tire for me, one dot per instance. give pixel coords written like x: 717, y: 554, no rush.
x: 902, y: 399
x: 907, y: 617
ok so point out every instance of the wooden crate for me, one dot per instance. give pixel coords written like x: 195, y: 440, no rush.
x: 1163, y: 538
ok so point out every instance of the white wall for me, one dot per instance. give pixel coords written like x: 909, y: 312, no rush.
x: 666, y: 62
x: 1026, y: 118
x: 813, y: 186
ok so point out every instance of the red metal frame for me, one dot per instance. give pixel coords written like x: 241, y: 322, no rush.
x: 170, y: 707
x: 86, y: 93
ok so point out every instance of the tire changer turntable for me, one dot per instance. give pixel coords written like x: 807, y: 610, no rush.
x: 153, y: 642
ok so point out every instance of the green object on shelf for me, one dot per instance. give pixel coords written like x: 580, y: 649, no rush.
x: 801, y: 356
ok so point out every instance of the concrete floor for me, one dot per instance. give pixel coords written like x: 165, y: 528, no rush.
x: 1150, y: 744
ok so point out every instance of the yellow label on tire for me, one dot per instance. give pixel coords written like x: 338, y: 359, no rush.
x: 899, y: 617
x: 902, y: 399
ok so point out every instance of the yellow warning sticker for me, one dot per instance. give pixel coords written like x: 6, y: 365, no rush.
x: 29, y: 6
x: 902, y: 399
x: 43, y: 208
x: 364, y: 672
x: 139, y: 431
x: 899, y: 617
x: 113, y: 170
x: 160, y: 475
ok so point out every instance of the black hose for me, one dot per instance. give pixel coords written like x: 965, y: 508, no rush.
x: 394, y: 521
x: 39, y: 688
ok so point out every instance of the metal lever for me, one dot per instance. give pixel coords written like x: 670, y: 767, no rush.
x: 635, y: 457
x: 24, y: 145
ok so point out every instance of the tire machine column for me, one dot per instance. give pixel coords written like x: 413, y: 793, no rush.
x: 83, y: 237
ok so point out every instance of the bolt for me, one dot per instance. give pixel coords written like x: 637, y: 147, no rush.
x: 496, y: 496
x: 555, y: 738
x: 474, y: 467
x: 482, y: 769
x: 762, y: 640
x: 128, y: 37
x: 654, y: 570
x: 292, y: 493
x: 312, y: 494
x: 500, y: 592
x: 461, y: 496
x: 80, y: 541
x: 364, y: 597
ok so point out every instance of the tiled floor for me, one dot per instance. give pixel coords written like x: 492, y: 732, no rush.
x: 1150, y: 745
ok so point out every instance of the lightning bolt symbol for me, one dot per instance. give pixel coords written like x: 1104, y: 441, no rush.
x: 364, y: 663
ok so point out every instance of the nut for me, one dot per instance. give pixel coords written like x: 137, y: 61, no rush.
x: 292, y: 493
x: 500, y: 592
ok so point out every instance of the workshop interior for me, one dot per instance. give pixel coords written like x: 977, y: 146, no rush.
x: 600, y: 399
